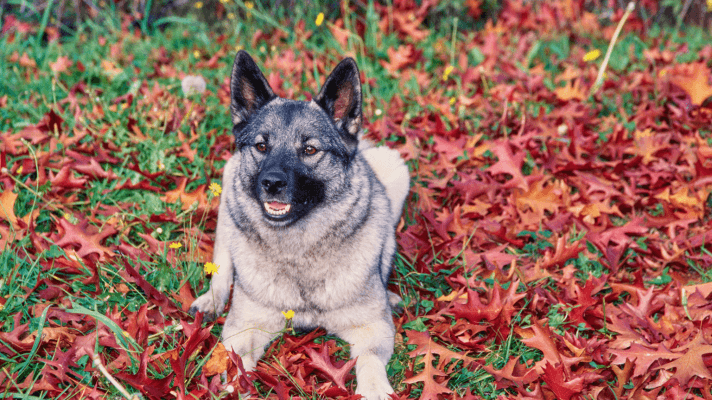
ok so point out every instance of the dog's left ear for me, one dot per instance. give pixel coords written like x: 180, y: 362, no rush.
x: 340, y: 97
x: 249, y: 89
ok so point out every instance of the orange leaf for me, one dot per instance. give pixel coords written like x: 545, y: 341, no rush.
x: 7, y: 204
x: 218, y: 362
x: 572, y: 90
x: 694, y: 79
x: 61, y: 65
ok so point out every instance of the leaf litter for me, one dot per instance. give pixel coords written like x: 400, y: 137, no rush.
x: 555, y: 244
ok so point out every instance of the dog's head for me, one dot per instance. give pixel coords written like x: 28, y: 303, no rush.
x: 295, y: 154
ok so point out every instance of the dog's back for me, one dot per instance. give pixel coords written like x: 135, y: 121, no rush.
x: 390, y: 169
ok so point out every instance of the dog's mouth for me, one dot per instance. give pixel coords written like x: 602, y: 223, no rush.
x: 277, y: 209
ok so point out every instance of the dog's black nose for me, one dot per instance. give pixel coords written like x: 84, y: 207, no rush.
x: 273, y: 182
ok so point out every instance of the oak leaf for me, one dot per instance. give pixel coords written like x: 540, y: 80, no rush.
x: 508, y: 163
x: 555, y: 378
x: 7, y: 207
x: 321, y: 361
x: 643, y: 356
x: 218, y: 362
x: 690, y: 362
x: 87, y: 237
x: 61, y: 64
x: 694, y: 79
x: 572, y: 90
x: 513, y: 371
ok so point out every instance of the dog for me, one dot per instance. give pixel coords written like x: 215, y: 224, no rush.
x: 307, y: 222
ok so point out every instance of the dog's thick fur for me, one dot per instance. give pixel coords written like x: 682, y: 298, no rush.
x: 307, y: 223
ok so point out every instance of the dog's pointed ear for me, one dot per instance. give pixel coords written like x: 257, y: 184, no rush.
x: 249, y: 90
x: 341, y: 98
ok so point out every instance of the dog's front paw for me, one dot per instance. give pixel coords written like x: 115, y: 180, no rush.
x: 378, y: 389
x: 205, y: 304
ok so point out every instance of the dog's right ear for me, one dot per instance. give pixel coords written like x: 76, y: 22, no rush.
x: 249, y: 89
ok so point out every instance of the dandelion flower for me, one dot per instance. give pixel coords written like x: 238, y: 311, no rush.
x: 319, y: 19
x: 288, y: 314
x: 198, y: 5
x: 452, y: 100
x: 249, y: 5
x: 215, y: 189
x: 193, y: 85
x: 592, y: 55
x: 447, y: 72
x: 230, y: 16
x: 210, y: 268
x: 175, y: 245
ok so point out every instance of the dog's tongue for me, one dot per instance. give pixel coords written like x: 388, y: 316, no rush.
x: 277, y: 205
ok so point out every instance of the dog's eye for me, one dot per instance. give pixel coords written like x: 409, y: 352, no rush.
x: 261, y: 147
x: 310, y: 150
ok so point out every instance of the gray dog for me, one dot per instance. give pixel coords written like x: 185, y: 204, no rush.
x: 307, y: 223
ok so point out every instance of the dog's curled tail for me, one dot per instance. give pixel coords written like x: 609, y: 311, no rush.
x: 393, y: 174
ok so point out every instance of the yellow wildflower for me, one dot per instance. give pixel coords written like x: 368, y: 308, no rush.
x: 288, y: 314
x: 175, y: 245
x: 198, y: 5
x: 224, y: 1
x: 592, y: 55
x: 210, y: 268
x: 452, y: 100
x: 319, y: 19
x: 447, y: 72
x: 249, y: 5
x: 230, y: 16
x: 215, y: 189
x: 196, y: 54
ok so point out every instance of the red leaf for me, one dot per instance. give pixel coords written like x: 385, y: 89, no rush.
x: 555, y: 378
x: 433, y: 377
x: 321, y: 361
x: 508, y: 163
x: 87, y: 237
x: 154, y: 295
x: 156, y: 388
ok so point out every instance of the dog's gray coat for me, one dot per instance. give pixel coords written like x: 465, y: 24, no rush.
x: 329, y: 256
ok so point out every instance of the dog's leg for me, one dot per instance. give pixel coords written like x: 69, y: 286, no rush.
x: 249, y: 327
x: 212, y: 302
x: 372, y: 343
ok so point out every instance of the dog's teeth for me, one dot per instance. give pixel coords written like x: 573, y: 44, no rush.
x: 277, y: 211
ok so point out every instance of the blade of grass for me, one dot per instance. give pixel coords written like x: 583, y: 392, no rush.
x: 43, y: 24
x: 38, y: 339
